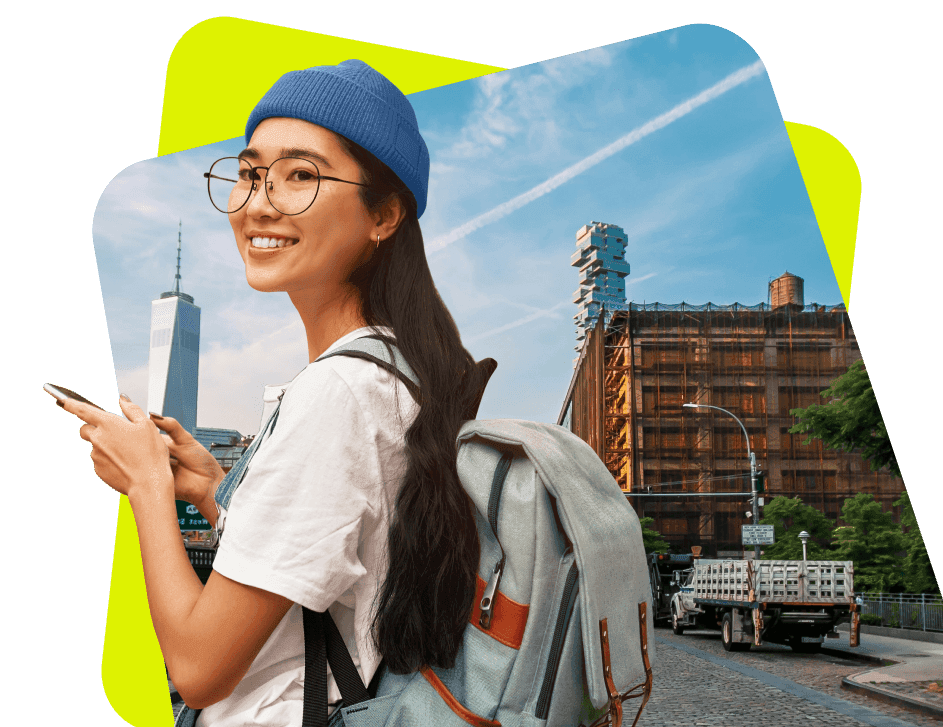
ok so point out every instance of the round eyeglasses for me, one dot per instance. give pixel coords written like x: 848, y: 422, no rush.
x: 291, y: 184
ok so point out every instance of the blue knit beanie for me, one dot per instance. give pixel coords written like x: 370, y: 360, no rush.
x: 355, y: 101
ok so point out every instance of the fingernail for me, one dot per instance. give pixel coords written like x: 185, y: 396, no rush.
x: 156, y: 416
x: 126, y: 397
x: 59, y: 403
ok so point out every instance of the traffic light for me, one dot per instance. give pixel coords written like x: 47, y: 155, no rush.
x: 760, y: 482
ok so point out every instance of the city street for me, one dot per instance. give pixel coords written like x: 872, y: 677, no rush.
x: 698, y: 683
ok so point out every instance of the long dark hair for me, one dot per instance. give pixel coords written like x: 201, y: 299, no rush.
x: 425, y: 602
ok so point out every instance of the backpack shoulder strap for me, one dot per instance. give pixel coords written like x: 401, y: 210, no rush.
x: 383, y: 352
x: 379, y: 349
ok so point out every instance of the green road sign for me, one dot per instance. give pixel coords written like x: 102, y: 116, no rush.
x: 190, y: 518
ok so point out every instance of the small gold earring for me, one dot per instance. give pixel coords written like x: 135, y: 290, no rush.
x: 378, y: 241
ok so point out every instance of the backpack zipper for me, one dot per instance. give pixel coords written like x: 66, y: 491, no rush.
x: 497, y: 485
x: 570, y: 590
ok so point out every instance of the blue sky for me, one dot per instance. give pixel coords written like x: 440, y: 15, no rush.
x: 712, y: 203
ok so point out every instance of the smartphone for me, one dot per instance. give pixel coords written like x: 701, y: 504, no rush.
x: 61, y: 393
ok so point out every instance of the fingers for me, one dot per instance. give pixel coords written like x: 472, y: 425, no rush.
x: 86, y: 431
x: 85, y: 412
x: 131, y: 410
x: 170, y: 444
x: 172, y: 428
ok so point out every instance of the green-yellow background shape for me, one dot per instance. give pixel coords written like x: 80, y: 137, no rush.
x: 208, y: 98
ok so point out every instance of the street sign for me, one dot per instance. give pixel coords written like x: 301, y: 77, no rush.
x: 757, y: 534
x: 190, y: 518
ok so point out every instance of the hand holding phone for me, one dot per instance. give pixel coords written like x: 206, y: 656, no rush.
x: 128, y: 451
x: 196, y: 471
x: 61, y: 394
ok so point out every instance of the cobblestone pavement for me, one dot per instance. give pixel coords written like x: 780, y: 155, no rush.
x: 689, y: 690
x: 928, y: 691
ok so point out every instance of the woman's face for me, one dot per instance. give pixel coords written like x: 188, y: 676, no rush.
x: 323, y: 245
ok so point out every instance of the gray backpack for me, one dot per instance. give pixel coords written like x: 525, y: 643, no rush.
x: 561, y: 628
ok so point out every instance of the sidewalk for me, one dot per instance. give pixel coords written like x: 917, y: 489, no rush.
x: 914, y: 680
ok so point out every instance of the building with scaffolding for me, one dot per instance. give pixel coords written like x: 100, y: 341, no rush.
x: 758, y: 362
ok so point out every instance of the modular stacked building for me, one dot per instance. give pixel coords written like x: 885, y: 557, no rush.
x: 600, y: 258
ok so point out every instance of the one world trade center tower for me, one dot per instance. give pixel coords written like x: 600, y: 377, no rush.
x: 174, y: 361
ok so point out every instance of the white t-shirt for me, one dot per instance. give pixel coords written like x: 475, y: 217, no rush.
x: 309, y: 522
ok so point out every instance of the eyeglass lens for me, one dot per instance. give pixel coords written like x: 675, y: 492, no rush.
x: 291, y: 184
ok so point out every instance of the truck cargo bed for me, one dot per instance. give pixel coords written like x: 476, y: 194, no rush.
x: 794, y: 582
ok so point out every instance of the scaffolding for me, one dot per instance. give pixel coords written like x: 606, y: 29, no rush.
x: 759, y: 362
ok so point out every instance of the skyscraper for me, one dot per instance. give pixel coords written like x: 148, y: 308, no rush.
x: 174, y: 361
x: 600, y: 257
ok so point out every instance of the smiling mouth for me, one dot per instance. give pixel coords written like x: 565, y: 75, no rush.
x: 268, y: 242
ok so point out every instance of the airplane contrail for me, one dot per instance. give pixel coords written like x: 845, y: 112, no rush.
x: 519, y: 322
x: 682, y: 109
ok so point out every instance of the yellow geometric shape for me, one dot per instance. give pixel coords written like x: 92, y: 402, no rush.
x: 834, y: 188
x: 220, y: 69
x: 132, y: 666
x: 216, y: 74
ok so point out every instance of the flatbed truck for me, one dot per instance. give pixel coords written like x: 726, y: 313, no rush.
x: 796, y: 603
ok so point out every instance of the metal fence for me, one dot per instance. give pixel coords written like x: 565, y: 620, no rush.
x: 920, y: 611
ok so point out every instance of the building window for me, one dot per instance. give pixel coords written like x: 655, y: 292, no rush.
x: 740, y: 401
x: 799, y: 397
x: 737, y: 356
x: 797, y: 482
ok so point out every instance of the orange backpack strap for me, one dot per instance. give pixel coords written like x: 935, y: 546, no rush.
x: 613, y: 717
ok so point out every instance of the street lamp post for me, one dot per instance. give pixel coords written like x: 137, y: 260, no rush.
x: 756, y: 508
x: 804, y: 537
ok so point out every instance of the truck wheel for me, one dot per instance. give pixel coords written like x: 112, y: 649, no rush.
x: 805, y: 647
x: 676, y: 623
x: 726, y: 635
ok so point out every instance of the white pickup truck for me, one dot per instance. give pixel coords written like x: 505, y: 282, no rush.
x: 792, y: 602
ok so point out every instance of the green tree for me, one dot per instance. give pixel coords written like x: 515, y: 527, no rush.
x: 873, y: 541
x: 918, y: 571
x: 789, y: 516
x: 651, y: 538
x: 851, y: 420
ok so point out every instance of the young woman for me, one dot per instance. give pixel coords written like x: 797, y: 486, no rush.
x: 352, y: 502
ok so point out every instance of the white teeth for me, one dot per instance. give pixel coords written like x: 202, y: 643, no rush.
x: 267, y: 242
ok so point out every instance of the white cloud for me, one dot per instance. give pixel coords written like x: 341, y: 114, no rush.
x: 232, y: 377
x: 520, y: 106
x: 133, y: 383
x: 505, y: 208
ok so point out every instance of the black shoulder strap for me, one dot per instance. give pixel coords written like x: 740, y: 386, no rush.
x: 382, y: 351
x: 325, y: 645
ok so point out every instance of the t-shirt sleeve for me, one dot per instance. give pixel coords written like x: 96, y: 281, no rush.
x: 295, y: 524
